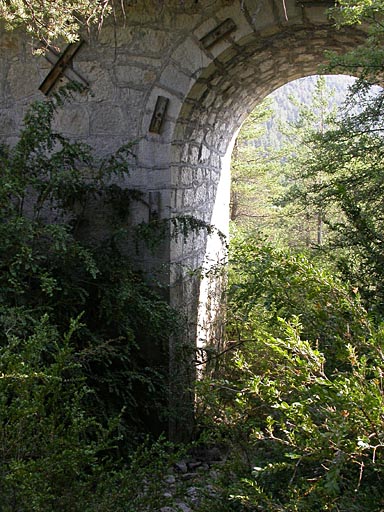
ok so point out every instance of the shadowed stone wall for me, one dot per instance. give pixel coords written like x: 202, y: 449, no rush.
x: 183, y: 169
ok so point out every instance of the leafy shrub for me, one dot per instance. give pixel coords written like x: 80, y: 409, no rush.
x: 305, y: 418
x: 50, y: 445
x: 53, y: 454
x: 268, y: 284
x: 76, y: 390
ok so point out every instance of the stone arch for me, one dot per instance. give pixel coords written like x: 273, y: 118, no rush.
x: 239, y: 78
x: 221, y: 97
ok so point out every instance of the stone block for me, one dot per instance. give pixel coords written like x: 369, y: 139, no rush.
x: 189, y: 57
x: 142, y: 13
x: 150, y: 41
x: 210, y: 138
x: 177, y: 19
x: 266, y: 65
x: 108, y: 119
x: 73, y: 120
x: 177, y: 201
x: 131, y: 99
x: 188, y: 198
x: 106, y: 144
x: 11, y: 42
x: 7, y: 123
x: 205, y: 27
x: 193, y: 155
x: 260, y: 13
x: 182, y: 177
x: 101, y: 85
x: 124, y: 58
x: 23, y: 79
x: 202, y: 195
x: 315, y: 13
x: 175, y: 80
x: 137, y: 39
x: 152, y: 152
x: 204, y: 154
x: 135, y: 76
x: 243, y: 28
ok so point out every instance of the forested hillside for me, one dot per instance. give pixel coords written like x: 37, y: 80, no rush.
x: 285, y: 102
x: 302, y: 90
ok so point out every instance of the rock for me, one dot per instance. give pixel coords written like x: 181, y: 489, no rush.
x: 193, y: 494
x: 210, y: 490
x: 192, y: 491
x: 183, y: 507
x: 181, y: 467
x: 188, y: 476
x: 170, y: 479
x: 214, y: 474
x: 194, y: 465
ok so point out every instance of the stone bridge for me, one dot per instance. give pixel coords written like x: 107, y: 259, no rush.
x: 179, y: 78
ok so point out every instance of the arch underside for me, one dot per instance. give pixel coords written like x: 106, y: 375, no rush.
x: 240, y: 78
x: 220, y: 100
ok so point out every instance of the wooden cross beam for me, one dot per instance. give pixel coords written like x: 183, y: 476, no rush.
x: 61, y: 65
x: 215, y: 35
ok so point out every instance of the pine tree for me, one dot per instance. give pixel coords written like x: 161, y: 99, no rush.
x: 304, y: 219
x: 52, y: 21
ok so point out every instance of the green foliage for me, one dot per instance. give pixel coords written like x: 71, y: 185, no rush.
x: 71, y: 401
x: 304, y: 220
x: 50, y: 21
x: 343, y: 177
x: 316, y: 438
x: 138, y: 484
x: 267, y: 180
x: 253, y: 180
x: 55, y: 455
x: 156, y: 231
x: 268, y: 284
x: 300, y: 398
x: 50, y: 445
x: 365, y: 60
x: 46, y: 185
x: 330, y: 184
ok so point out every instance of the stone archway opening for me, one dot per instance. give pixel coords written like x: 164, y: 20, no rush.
x: 218, y: 103
x: 222, y: 97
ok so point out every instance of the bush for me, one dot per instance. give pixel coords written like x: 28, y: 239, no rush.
x: 305, y: 418
x: 76, y: 390
x: 53, y: 454
x: 267, y: 284
x: 50, y: 445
